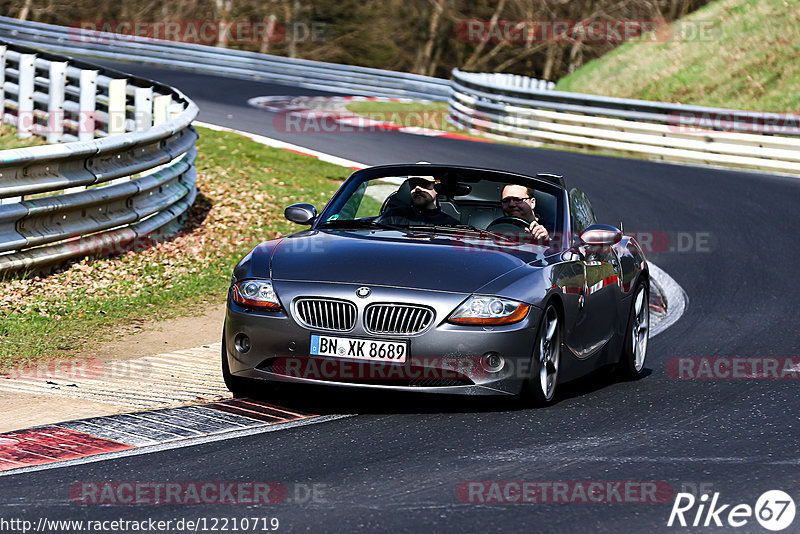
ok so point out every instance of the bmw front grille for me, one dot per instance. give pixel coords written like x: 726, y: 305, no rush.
x: 397, y: 319
x: 326, y: 314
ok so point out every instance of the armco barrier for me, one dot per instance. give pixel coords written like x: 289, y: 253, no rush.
x: 223, y: 61
x: 124, y: 176
x: 651, y: 129
x: 117, y: 127
x: 500, y: 105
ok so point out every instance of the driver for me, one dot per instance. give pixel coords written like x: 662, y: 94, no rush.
x: 424, y: 208
x: 519, y: 201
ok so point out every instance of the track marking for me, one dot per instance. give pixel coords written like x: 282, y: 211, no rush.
x: 190, y: 442
x: 675, y: 297
x: 50, y: 444
x: 96, y: 437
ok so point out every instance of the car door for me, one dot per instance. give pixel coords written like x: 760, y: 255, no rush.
x: 597, y: 309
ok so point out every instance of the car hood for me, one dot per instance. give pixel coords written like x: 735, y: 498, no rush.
x: 423, y: 261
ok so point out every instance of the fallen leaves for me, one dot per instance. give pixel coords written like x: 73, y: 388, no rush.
x: 235, y: 209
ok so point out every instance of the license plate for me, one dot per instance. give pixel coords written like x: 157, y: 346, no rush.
x: 359, y: 349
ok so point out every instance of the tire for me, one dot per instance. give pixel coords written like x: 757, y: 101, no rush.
x: 634, y: 347
x: 236, y: 385
x: 540, y: 387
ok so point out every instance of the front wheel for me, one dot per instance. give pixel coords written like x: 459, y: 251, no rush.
x: 634, y: 349
x: 540, y: 387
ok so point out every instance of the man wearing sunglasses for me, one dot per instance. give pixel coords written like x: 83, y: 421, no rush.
x: 518, y: 201
x: 424, y: 208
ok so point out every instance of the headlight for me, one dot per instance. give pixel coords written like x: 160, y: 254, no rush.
x: 256, y: 293
x: 478, y: 310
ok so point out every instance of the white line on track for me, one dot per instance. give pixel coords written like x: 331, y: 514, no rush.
x: 276, y: 143
x: 676, y: 298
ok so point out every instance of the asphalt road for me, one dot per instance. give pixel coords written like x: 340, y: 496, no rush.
x: 395, y: 466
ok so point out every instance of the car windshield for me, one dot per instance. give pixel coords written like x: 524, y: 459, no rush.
x: 442, y: 200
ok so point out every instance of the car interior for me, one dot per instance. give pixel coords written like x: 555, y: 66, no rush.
x: 476, y: 204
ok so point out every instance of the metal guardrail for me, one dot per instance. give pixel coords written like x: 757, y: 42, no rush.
x: 510, y: 81
x: 124, y: 178
x: 126, y: 174
x: 656, y: 130
x: 224, y: 61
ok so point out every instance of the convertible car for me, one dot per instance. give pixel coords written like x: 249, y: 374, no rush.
x: 425, y: 278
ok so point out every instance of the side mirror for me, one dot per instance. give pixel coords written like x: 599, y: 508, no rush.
x: 601, y: 235
x: 301, y: 213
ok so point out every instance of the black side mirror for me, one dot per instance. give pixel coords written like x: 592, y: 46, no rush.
x: 301, y: 213
x: 601, y: 235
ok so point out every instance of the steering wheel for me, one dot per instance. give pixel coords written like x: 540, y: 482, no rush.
x: 508, y: 224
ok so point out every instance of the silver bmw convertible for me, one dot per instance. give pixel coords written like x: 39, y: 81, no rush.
x: 439, y: 279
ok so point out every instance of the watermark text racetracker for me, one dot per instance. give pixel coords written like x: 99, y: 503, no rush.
x: 587, y: 31
x: 195, y: 493
x: 79, y: 368
x: 558, y: 492
x: 733, y: 368
x: 79, y: 121
x: 688, y: 122
x: 208, y: 32
x: 314, y: 122
x: 651, y: 242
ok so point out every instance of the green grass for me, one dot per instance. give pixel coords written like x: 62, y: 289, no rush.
x: 9, y: 139
x: 749, y: 60
x: 243, y: 189
x: 431, y: 115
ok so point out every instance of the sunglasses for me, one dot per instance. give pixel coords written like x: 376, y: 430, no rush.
x: 509, y: 200
x: 424, y: 184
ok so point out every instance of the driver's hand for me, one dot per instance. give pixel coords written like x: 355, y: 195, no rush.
x: 538, y: 231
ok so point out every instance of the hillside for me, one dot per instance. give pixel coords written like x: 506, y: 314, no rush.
x: 749, y: 59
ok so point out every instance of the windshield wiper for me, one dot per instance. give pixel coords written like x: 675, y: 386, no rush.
x: 453, y: 228
x: 361, y: 223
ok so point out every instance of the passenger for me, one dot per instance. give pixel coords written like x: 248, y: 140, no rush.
x: 519, y: 201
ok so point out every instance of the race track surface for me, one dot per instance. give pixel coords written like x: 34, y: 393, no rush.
x: 397, y: 463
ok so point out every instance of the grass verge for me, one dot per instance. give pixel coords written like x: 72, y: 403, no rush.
x: 9, y: 139
x: 431, y: 115
x: 243, y: 188
x: 741, y: 54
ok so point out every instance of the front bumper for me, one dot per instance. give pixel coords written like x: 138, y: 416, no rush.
x: 445, y: 358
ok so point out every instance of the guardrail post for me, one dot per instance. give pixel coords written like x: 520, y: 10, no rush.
x: 25, y: 118
x: 174, y: 110
x: 117, y: 100
x: 87, y: 104
x: 161, y: 105
x: 143, y: 116
x: 55, y: 102
x: 2, y: 82
x: 143, y: 108
x: 116, y: 106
